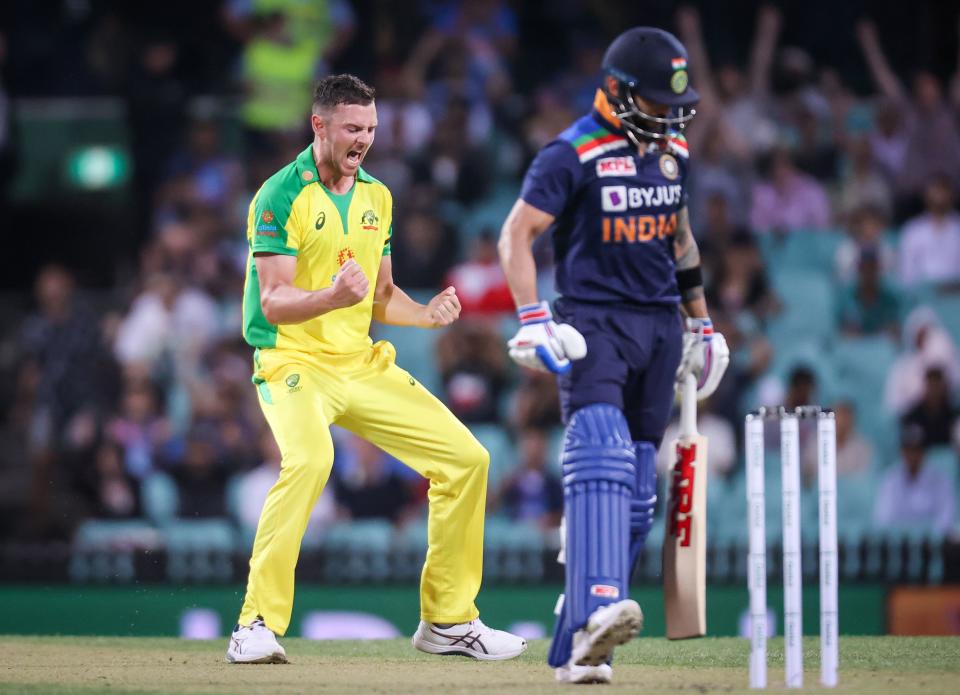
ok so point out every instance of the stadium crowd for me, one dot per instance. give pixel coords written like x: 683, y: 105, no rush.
x: 826, y: 214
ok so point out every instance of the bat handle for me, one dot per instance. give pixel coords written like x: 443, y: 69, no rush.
x: 688, y: 407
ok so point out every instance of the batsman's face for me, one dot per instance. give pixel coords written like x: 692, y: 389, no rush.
x: 346, y: 135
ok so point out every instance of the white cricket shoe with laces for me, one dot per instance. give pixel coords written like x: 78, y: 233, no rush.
x: 255, y: 644
x: 571, y: 673
x: 608, y: 626
x: 469, y: 639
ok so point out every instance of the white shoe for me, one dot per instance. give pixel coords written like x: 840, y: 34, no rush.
x: 469, y: 639
x: 607, y: 627
x: 255, y: 644
x: 571, y: 673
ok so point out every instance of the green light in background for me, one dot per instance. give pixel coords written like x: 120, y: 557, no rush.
x: 97, y: 167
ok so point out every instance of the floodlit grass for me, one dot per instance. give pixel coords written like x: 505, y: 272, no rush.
x: 869, y: 665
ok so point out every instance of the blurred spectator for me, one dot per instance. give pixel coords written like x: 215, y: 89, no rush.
x: 366, y: 485
x: 935, y: 414
x: 925, y: 344
x: 739, y: 283
x: 790, y: 200
x: 167, y: 320
x: 155, y: 105
x: 865, y: 226
x: 473, y: 365
x: 254, y: 486
x: 202, y: 172
x: 930, y: 249
x: 913, y: 495
x: 869, y: 305
x: 532, y: 492
x: 862, y: 185
x: 201, y: 477
x: 285, y: 42
x: 536, y: 402
x: 932, y: 138
x: 424, y: 249
x: 113, y: 492
x: 481, y: 285
x: 722, y: 449
x: 139, y: 429
x: 855, y: 454
x: 68, y: 371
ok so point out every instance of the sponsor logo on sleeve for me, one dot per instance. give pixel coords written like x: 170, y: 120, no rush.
x: 613, y: 198
x: 616, y: 166
x: 321, y: 220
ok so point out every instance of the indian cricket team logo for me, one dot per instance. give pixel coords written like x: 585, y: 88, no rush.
x: 267, y: 216
x: 669, y: 167
x: 344, y: 255
x: 292, y: 382
x: 369, y: 220
x: 680, y: 78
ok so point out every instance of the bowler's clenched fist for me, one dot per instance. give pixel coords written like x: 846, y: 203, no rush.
x: 350, y: 285
x: 443, y: 309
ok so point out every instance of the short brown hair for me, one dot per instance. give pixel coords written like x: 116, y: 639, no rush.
x: 341, y: 89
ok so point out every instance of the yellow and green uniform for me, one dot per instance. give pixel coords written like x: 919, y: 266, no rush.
x: 327, y: 370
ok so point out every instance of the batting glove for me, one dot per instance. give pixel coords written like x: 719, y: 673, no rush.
x: 543, y: 344
x: 705, y: 355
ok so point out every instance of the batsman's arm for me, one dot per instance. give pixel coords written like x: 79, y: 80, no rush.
x: 393, y: 306
x: 524, y: 224
x: 689, y: 278
x: 282, y: 302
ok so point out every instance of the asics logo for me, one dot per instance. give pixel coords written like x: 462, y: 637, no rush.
x: 469, y: 640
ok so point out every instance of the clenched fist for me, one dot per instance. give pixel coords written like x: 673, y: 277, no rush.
x: 350, y: 285
x: 442, y: 310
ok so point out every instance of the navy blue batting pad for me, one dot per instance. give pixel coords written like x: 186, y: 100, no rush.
x: 598, y: 480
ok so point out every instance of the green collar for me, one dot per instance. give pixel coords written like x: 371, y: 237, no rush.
x: 307, y: 169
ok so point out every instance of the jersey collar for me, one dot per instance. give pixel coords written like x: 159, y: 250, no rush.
x: 307, y: 169
x: 602, y: 114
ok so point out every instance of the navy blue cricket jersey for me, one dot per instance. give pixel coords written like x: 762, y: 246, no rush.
x: 616, y: 212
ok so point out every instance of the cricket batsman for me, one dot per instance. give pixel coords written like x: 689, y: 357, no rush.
x: 319, y: 270
x: 612, y: 187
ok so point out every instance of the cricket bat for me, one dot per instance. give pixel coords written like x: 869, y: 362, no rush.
x: 685, y: 531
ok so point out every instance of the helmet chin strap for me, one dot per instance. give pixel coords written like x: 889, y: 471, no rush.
x: 629, y: 113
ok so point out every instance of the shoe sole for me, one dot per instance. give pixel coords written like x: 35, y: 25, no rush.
x: 586, y: 679
x: 274, y: 658
x: 620, y: 627
x: 439, y: 650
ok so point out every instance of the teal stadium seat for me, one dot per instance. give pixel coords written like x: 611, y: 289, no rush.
x: 159, y: 498
x: 947, y: 307
x: 802, y: 249
x: 807, y: 313
x: 199, y: 549
x: 513, y: 550
x: 862, y: 365
x: 358, y: 551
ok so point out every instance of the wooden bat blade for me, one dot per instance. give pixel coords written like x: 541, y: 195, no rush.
x: 685, y: 540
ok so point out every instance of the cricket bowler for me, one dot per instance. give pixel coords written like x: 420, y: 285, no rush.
x: 319, y: 270
x: 612, y: 188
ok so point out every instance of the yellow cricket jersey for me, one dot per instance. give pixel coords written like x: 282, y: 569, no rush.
x: 294, y: 214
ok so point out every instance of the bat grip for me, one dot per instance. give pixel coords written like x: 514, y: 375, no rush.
x: 688, y: 406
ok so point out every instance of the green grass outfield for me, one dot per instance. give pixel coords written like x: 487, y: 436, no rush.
x: 869, y: 665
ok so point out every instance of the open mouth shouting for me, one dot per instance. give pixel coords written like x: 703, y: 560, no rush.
x: 354, y: 157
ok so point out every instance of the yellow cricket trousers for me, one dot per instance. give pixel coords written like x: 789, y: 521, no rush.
x: 301, y: 395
